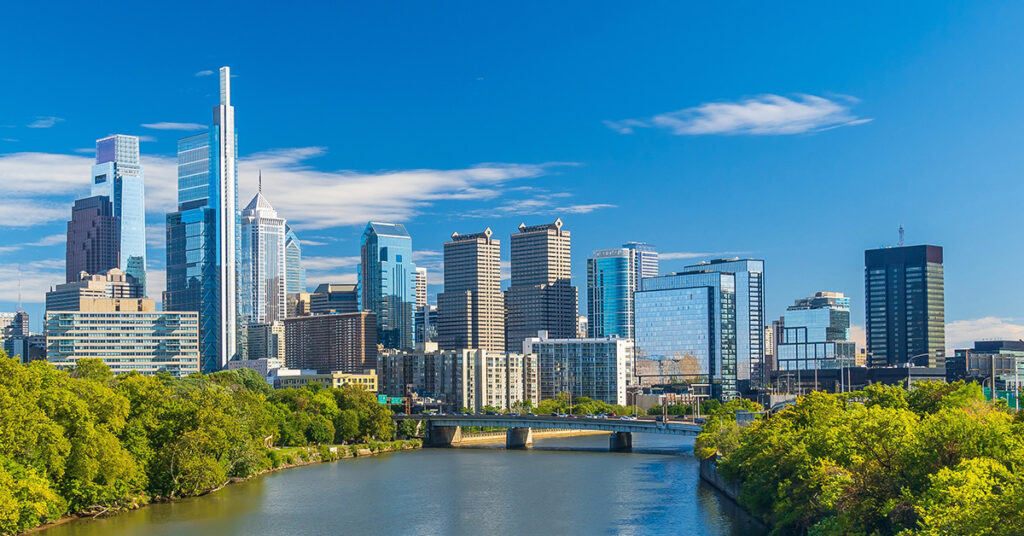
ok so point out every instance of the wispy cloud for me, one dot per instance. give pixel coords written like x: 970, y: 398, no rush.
x: 541, y: 205
x: 761, y: 115
x: 329, y: 263
x: 963, y: 333
x: 36, y: 278
x: 169, y: 125
x: 204, y: 72
x: 45, y: 122
x: 677, y: 255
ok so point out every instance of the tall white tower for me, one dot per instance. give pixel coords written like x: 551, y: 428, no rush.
x: 227, y: 218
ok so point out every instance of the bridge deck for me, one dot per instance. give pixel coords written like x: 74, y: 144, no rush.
x: 562, y: 423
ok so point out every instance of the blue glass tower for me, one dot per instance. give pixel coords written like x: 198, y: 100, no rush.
x: 117, y: 175
x: 611, y: 281
x: 203, y: 235
x: 387, y: 282
x: 295, y: 274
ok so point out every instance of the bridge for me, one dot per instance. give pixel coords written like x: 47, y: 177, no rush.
x: 446, y: 430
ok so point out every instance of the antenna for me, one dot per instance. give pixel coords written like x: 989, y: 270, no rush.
x: 260, y: 190
x: 900, y: 243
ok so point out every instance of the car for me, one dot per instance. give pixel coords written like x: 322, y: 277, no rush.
x: 659, y: 418
x: 589, y: 416
x: 556, y: 414
x: 700, y: 420
x: 531, y: 414
x: 493, y: 413
x: 612, y: 414
x: 562, y: 415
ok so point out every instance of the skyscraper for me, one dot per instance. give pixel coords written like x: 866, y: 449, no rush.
x: 93, y: 238
x: 332, y: 298
x: 387, y: 282
x: 686, y: 326
x: 646, y: 259
x: 749, y: 315
x: 905, y: 306
x: 421, y: 287
x: 611, y: 282
x: 117, y: 175
x: 471, y: 310
x: 262, y: 269
x: 541, y: 296
x: 202, y: 235
x: 816, y: 334
x: 295, y: 274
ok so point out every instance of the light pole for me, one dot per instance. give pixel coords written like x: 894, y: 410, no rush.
x: 910, y: 367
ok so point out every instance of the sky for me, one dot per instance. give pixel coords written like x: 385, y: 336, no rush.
x: 800, y: 135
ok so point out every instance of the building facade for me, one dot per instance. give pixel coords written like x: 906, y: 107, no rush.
x: 330, y: 298
x: 113, y: 283
x: 117, y: 175
x: 263, y: 266
x: 94, y: 238
x: 426, y: 324
x: 599, y: 368
x: 265, y: 340
x: 750, y: 316
x: 611, y: 282
x: 470, y: 311
x: 295, y: 274
x: 815, y: 334
x: 127, y: 335
x: 686, y: 331
x: 387, y: 282
x: 367, y: 381
x: 332, y: 343
x: 905, y: 306
x: 540, y: 296
x: 203, y: 234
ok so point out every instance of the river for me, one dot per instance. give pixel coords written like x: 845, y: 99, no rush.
x: 562, y: 486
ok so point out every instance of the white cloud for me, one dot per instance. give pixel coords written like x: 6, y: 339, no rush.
x: 344, y: 278
x: 146, y: 138
x: 169, y: 125
x: 26, y: 212
x: 541, y: 205
x: 963, y: 333
x: 761, y: 115
x: 36, y: 279
x: 675, y: 255
x: 204, y: 72
x: 45, y: 122
x: 859, y: 335
x: 156, y: 283
x: 314, y: 264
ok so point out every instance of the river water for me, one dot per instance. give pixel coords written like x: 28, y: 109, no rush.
x: 562, y: 486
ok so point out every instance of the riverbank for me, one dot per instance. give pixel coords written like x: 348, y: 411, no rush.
x: 289, y: 457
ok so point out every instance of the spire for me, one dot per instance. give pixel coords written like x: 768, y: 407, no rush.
x: 260, y: 187
x: 225, y: 86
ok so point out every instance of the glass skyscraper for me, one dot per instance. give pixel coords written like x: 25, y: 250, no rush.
x: 262, y: 269
x: 117, y: 175
x: 613, y: 275
x: 93, y: 238
x: 815, y: 334
x: 295, y: 274
x: 905, y: 306
x: 686, y: 330
x: 749, y: 315
x: 203, y: 234
x: 387, y: 282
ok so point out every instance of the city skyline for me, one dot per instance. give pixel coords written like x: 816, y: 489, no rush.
x: 438, y: 188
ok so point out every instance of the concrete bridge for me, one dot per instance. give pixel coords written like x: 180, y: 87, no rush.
x: 446, y: 430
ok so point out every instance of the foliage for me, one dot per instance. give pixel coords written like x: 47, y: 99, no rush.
x: 882, y: 461
x: 581, y: 405
x: 90, y: 441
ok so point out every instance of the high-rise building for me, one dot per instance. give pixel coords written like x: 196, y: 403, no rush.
x: 599, y: 368
x: 646, y: 259
x: 471, y: 310
x: 94, y: 238
x: 295, y: 274
x: 126, y: 334
x: 686, y: 330
x: 816, y: 334
x: 203, y: 234
x: 421, y: 286
x: 613, y: 275
x: 426, y: 324
x: 749, y: 316
x: 905, y: 306
x: 328, y: 343
x: 387, y: 282
x: 262, y: 270
x: 540, y: 296
x: 117, y: 175
x: 330, y: 298
x: 265, y: 341
x: 13, y: 324
x: 112, y: 284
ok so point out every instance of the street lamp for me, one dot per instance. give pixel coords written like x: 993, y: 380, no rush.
x: 910, y: 366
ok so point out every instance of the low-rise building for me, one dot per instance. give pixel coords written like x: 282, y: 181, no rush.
x: 599, y: 368
x: 1001, y: 360
x: 126, y: 334
x: 367, y: 380
x: 113, y: 283
x: 265, y: 366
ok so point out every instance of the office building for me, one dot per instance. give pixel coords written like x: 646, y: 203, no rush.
x: 421, y: 286
x: 905, y: 306
x: 113, y: 283
x: 14, y: 324
x: 582, y: 326
x: 126, y: 334
x: 262, y: 270
x: 117, y: 175
x: 265, y: 340
x: 646, y: 259
x: 264, y: 366
x: 299, y: 303
x: 816, y: 334
x: 426, y: 324
x: 470, y: 311
x: 599, y: 368
x: 613, y: 275
x: 750, y: 316
x: 330, y: 298
x: 463, y: 378
x: 367, y: 381
x: 203, y: 234
x: 25, y: 348
x: 540, y: 296
x: 295, y: 274
x: 94, y: 238
x: 686, y: 331
x: 328, y: 343
x: 999, y: 362
x: 387, y: 282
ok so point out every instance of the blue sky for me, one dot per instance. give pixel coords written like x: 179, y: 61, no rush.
x: 800, y: 135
